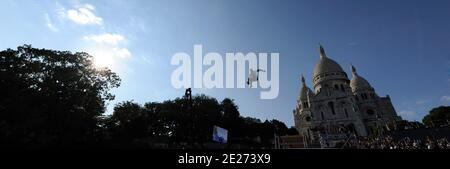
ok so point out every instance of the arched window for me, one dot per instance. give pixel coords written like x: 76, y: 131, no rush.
x: 342, y: 88
x: 336, y: 87
x: 346, y: 113
x: 331, y: 105
x: 321, y: 114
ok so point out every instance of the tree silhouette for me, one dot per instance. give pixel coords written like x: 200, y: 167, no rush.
x: 169, y: 123
x: 51, y: 97
x: 437, y: 116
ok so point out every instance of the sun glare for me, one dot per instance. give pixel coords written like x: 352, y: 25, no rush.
x: 102, y: 59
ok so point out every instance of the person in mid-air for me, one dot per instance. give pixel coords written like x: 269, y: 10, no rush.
x: 253, y: 76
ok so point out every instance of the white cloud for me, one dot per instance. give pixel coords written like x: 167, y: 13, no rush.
x: 49, y: 23
x: 105, y: 56
x: 121, y: 52
x: 111, y: 41
x: 83, y: 15
x: 107, y: 38
x: 108, y: 50
x: 445, y: 98
x: 102, y: 57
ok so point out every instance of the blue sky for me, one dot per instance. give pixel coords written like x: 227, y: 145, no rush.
x: 401, y: 47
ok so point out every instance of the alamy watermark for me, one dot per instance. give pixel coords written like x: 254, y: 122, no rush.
x: 256, y: 75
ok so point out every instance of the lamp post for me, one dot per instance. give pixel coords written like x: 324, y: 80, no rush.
x: 188, y: 109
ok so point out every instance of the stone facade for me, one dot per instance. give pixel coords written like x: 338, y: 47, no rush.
x: 339, y: 105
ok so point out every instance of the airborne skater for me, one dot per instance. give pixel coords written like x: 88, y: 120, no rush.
x: 253, y: 76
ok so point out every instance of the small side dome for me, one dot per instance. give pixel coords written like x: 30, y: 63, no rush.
x: 358, y: 82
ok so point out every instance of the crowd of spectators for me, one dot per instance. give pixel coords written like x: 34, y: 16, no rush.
x: 389, y: 142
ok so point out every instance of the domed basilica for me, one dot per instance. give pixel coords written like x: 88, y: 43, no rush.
x: 340, y: 105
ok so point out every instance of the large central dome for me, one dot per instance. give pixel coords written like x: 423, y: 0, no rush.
x: 326, y: 65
